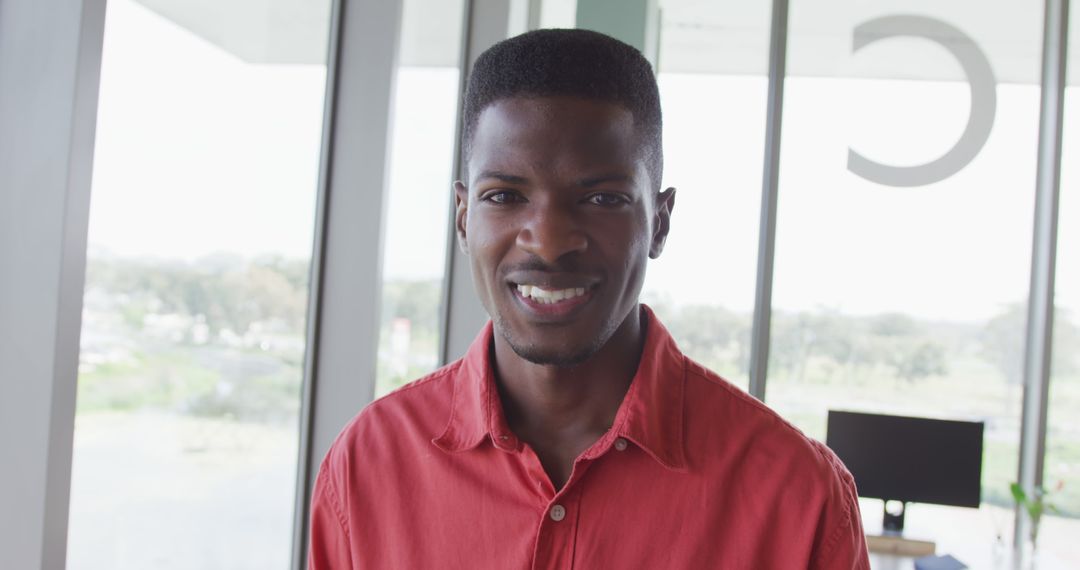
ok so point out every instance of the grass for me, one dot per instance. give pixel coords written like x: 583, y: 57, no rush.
x: 199, y: 381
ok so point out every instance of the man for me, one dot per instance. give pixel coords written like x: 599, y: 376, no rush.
x: 574, y: 434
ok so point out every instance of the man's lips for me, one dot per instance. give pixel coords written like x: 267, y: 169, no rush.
x: 551, y: 294
x: 552, y: 281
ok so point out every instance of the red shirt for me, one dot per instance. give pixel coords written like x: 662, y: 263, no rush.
x: 693, y: 473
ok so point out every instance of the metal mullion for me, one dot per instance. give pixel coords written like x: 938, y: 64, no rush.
x: 304, y: 473
x: 449, y: 266
x: 759, y: 342
x: 1040, y: 321
x: 346, y: 271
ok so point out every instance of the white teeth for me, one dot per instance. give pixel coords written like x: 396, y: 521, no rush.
x: 547, y: 297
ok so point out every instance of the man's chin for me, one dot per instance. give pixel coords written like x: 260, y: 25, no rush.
x: 561, y: 358
x: 536, y: 346
x: 561, y: 355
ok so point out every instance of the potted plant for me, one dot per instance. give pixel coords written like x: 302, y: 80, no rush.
x: 1035, y: 506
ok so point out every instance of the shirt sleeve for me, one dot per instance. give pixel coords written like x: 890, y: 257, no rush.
x: 842, y: 543
x: 329, y: 546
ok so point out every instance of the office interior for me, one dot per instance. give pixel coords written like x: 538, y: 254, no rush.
x: 226, y: 227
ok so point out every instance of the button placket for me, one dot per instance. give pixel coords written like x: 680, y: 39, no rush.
x: 559, y: 525
x: 558, y: 532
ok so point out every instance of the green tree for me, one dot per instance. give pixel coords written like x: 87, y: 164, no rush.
x: 918, y: 360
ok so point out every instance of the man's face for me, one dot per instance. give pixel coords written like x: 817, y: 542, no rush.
x: 559, y: 218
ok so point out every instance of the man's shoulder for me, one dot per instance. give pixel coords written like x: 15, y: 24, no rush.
x: 736, y: 420
x: 764, y: 460
x: 433, y: 388
x: 409, y: 415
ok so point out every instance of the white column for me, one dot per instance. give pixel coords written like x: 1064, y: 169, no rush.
x: 50, y: 59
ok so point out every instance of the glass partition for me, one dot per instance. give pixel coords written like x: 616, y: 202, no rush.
x: 904, y: 231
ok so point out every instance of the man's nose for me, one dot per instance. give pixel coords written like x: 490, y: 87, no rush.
x: 550, y: 233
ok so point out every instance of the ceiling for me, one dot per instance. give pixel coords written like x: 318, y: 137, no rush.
x: 697, y: 36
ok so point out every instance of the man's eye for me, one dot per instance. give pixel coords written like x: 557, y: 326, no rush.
x: 502, y: 197
x: 607, y: 199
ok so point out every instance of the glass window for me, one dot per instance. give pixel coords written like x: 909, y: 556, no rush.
x: 712, y: 71
x: 420, y: 190
x: 203, y: 203
x: 904, y: 230
x: 557, y: 13
x: 1058, y: 531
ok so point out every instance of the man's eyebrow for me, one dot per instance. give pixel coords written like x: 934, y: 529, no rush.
x: 501, y: 176
x: 598, y: 180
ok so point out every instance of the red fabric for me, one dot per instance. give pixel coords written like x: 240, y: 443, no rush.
x: 707, y: 477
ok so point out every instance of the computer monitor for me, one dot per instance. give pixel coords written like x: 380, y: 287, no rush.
x: 919, y: 460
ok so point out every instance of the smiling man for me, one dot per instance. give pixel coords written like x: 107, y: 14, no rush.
x: 574, y: 434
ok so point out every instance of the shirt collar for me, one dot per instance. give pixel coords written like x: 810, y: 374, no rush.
x: 651, y: 414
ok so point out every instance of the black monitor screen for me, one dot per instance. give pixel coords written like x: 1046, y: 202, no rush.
x: 910, y: 459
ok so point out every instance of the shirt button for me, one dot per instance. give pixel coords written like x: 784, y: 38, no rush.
x: 620, y: 444
x: 558, y: 513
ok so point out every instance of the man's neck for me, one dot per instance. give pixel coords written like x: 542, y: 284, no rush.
x: 561, y: 410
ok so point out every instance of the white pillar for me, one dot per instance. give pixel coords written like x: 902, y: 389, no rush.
x: 50, y: 60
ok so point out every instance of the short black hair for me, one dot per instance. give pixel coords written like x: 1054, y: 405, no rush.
x: 577, y: 63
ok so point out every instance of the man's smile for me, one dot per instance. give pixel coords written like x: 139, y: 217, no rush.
x: 545, y: 296
x: 549, y: 302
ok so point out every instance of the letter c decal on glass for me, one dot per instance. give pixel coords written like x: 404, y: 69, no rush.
x: 980, y: 79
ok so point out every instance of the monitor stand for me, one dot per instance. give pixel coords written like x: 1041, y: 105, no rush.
x: 893, y: 521
x: 891, y: 539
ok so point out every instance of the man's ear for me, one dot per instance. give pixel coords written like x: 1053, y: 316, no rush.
x: 665, y: 203
x: 461, y: 216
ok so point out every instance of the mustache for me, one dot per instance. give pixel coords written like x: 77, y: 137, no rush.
x: 535, y: 264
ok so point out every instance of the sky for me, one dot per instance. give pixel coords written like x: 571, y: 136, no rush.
x: 198, y: 152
